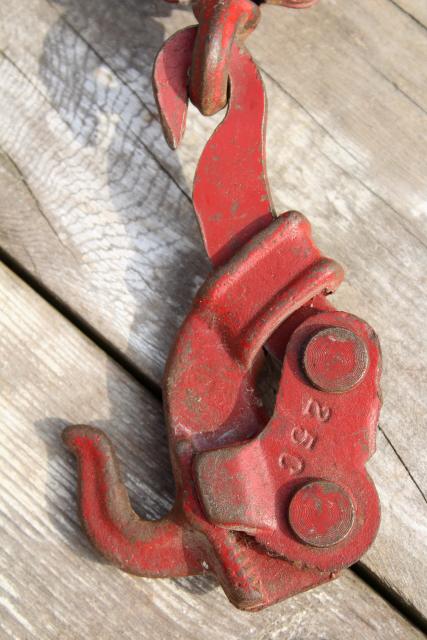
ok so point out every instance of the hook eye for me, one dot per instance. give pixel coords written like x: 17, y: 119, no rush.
x: 220, y: 25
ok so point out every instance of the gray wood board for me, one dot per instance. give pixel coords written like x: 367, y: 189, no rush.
x: 52, y: 584
x: 99, y: 210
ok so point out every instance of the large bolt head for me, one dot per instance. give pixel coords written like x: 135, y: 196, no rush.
x: 335, y: 360
x: 321, y: 513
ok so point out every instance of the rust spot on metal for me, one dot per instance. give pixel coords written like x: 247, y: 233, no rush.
x: 273, y: 503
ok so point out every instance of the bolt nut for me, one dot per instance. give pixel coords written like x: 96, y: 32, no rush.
x: 321, y: 513
x: 335, y: 360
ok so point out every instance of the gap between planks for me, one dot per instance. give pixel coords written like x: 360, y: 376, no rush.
x: 393, y: 598
x: 50, y: 585
x: 118, y: 353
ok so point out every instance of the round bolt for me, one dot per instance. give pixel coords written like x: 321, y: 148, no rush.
x: 321, y: 513
x: 335, y: 360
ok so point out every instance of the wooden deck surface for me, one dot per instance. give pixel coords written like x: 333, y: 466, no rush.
x: 102, y: 259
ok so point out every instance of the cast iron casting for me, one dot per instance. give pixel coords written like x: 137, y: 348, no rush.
x: 272, y: 504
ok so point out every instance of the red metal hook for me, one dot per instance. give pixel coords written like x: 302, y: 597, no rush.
x: 231, y: 194
x: 276, y: 506
x: 222, y: 23
x: 272, y: 506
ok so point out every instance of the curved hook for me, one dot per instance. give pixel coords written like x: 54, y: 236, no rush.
x: 170, y: 83
x: 163, y: 548
x: 231, y: 193
x: 221, y: 24
x: 232, y: 202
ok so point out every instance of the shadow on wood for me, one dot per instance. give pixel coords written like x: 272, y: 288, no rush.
x: 89, y: 101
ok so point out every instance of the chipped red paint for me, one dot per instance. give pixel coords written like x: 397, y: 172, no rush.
x: 152, y: 549
x: 170, y: 83
x: 232, y: 201
x: 221, y: 24
x: 312, y: 435
x: 231, y: 193
x: 271, y: 505
x: 321, y: 513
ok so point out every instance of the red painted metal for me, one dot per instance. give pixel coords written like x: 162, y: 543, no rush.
x: 222, y: 23
x: 273, y: 505
x: 250, y: 485
x: 231, y: 193
x: 321, y: 513
x: 170, y: 83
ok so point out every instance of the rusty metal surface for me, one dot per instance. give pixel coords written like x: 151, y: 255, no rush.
x: 222, y: 23
x: 273, y: 505
x: 170, y: 84
x: 335, y: 360
x: 249, y: 486
x: 231, y: 194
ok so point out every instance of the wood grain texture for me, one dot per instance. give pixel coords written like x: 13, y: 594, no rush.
x: 99, y: 210
x: 415, y: 10
x: 52, y: 585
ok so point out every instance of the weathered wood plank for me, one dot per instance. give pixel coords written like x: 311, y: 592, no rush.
x: 370, y: 102
x: 52, y: 584
x: 98, y: 209
x: 414, y: 9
